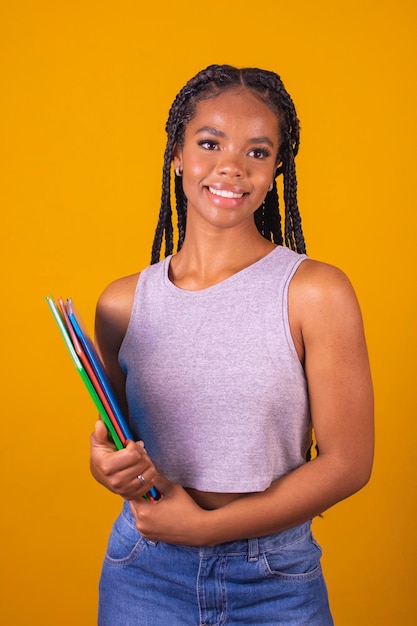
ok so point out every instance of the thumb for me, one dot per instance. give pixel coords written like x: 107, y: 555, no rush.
x: 100, y: 434
x: 164, y: 486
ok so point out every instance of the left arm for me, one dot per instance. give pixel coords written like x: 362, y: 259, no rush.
x: 328, y: 333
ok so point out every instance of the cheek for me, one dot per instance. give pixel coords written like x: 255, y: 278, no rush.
x: 194, y: 169
x: 194, y: 173
x: 264, y: 179
x: 270, y: 176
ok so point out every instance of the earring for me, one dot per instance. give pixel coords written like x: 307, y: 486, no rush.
x: 271, y: 186
x: 178, y: 172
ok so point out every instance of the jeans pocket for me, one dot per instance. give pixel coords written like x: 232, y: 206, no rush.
x: 125, y: 542
x: 299, y: 560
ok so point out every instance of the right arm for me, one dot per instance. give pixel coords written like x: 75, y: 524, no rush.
x: 117, y: 470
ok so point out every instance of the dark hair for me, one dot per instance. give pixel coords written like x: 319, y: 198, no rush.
x: 210, y: 83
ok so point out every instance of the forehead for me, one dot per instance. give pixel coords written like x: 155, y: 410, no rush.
x: 236, y: 109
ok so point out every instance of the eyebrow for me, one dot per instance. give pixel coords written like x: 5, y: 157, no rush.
x: 219, y: 133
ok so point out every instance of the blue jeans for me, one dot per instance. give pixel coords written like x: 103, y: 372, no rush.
x: 270, y: 580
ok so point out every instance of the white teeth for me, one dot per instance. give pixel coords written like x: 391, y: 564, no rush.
x: 225, y: 194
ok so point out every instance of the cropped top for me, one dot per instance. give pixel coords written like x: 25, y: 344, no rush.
x: 214, y: 385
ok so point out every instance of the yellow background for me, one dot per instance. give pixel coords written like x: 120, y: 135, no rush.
x: 86, y: 87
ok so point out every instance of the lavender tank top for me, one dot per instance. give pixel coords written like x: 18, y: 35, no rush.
x: 214, y: 385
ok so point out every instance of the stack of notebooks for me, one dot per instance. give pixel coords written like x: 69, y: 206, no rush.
x: 90, y: 367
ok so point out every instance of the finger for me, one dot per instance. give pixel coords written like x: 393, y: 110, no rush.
x: 142, y: 480
x: 140, y: 459
x: 146, y: 477
x: 163, y: 485
x: 100, y: 433
x: 136, y: 506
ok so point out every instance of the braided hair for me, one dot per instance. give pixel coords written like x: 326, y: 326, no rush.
x: 209, y: 83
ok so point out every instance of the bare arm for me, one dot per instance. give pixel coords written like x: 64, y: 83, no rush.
x: 112, y: 319
x: 118, y: 471
x: 327, y: 329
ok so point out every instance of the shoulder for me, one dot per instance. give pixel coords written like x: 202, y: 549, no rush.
x: 114, y: 305
x: 317, y: 284
x: 323, y: 306
x: 119, y: 294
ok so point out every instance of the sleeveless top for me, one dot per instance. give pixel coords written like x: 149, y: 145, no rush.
x: 214, y: 385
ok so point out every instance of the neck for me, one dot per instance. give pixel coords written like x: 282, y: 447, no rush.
x: 206, y: 261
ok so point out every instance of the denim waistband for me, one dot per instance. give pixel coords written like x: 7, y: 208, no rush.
x: 249, y: 547
x: 252, y: 548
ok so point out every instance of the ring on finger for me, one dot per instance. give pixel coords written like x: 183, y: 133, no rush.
x: 142, y: 479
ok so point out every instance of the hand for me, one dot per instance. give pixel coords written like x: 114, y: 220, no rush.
x: 175, y: 518
x: 118, y: 470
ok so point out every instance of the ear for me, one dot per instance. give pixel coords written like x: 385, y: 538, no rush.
x: 177, y: 157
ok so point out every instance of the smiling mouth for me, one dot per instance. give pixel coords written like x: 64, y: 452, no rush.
x: 224, y: 193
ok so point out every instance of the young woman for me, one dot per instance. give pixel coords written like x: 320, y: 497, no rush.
x: 225, y: 356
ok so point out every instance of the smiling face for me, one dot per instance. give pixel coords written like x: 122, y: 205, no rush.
x: 228, y: 159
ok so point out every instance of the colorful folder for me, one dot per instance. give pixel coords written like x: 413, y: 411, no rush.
x: 90, y: 367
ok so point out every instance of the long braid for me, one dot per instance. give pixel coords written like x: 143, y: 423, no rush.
x: 293, y: 230
x: 181, y: 201
x: 165, y: 213
x: 268, y: 218
x: 210, y: 82
x: 164, y: 225
x: 273, y: 216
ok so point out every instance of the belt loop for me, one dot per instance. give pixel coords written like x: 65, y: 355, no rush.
x: 253, y: 549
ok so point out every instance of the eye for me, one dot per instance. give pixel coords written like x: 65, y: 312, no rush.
x: 259, y: 153
x: 208, y: 144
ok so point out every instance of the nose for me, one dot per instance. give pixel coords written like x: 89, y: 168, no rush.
x: 231, y: 164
